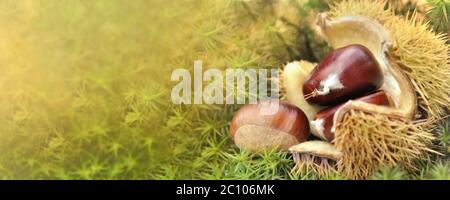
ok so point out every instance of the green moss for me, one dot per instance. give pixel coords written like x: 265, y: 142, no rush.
x: 439, y: 15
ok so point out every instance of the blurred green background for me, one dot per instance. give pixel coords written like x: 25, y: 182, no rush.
x: 85, y: 87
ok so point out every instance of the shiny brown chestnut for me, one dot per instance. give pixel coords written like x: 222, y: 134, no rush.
x: 322, y: 125
x: 269, y: 124
x: 345, y: 73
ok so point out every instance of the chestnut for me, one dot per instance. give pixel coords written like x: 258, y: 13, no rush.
x: 322, y: 125
x: 345, y: 73
x: 254, y: 130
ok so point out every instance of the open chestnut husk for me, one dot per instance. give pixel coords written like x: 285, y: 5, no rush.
x: 413, y: 61
x: 269, y: 124
x: 323, y: 126
x: 345, y: 73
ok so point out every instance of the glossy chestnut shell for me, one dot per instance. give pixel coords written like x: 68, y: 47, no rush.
x: 254, y: 131
x: 345, y: 73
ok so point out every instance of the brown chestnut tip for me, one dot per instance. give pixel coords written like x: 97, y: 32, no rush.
x: 268, y: 124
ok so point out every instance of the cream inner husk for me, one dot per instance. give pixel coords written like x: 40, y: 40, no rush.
x: 295, y: 74
x: 317, y: 148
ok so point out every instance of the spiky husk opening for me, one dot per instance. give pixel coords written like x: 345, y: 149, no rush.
x: 423, y: 53
x: 320, y: 166
x: 317, y: 156
x: 370, y: 141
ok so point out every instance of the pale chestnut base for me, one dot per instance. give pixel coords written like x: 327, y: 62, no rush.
x: 317, y: 128
x: 256, y: 138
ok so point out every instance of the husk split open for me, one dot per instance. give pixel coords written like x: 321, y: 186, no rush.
x: 423, y: 54
x: 415, y: 65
